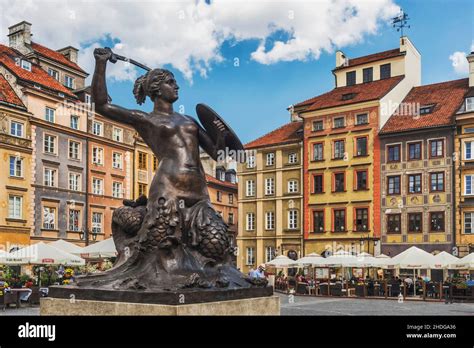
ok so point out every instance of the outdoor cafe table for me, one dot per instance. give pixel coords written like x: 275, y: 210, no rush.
x: 18, y: 292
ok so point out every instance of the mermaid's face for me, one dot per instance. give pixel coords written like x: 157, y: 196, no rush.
x: 168, y: 88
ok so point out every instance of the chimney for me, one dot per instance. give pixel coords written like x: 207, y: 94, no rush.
x: 470, y: 59
x: 70, y: 53
x: 340, y: 59
x: 19, y: 36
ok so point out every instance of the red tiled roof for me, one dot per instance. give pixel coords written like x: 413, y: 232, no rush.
x: 362, y: 92
x: 54, y: 55
x: 7, y: 94
x: 37, y: 75
x: 446, y: 98
x: 287, y: 133
x: 212, y: 180
x: 371, y: 58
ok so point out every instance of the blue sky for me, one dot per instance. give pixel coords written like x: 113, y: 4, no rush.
x: 253, y: 97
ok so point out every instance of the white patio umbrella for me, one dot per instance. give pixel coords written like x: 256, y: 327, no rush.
x: 312, y: 259
x: 67, y: 246
x: 41, y: 253
x: 9, y: 259
x: 443, y: 260
x: 102, y: 249
x: 467, y: 262
x: 341, y: 258
x: 281, y: 261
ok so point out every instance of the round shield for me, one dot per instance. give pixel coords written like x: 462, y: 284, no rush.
x: 214, y: 125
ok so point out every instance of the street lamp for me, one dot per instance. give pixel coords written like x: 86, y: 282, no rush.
x: 84, y: 235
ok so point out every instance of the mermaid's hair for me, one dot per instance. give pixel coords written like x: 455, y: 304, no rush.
x: 142, y: 89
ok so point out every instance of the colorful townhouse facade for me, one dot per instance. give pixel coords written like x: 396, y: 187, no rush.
x: 464, y: 169
x: 271, y: 197
x: 342, y: 155
x: 418, y: 157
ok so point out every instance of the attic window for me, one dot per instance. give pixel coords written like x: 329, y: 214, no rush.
x: 25, y: 65
x: 426, y: 109
x: 348, y: 96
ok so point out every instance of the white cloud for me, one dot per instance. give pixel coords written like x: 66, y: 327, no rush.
x: 189, y: 34
x: 459, y: 61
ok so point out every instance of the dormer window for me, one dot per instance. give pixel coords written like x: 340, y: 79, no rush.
x: 69, y: 81
x: 348, y: 96
x: 25, y: 65
x: 88, y: 98
x: 350, y: 78
x: 470, y: 104
x: 385, y: 71
x: 426, y: 109
x: 53, y: 73
x: 367, y: 74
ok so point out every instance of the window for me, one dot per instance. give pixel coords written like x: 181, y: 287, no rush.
x: 436, y: 182
x: 49, y: 115
x: 16, y: 167
x: 426, y: 109
x: 318, y: 183
x: 385, y: 72
x: 231, y: 198
x: 393, y: 183
x: 96, y: 222
x: 470, y: 104
x: 219, y: 196
x: 73, y: 224
x: 468, y: 185
x: 50, y: 144
x: 97, y: 186
x: 318, y: 152
x: 393, y: 153
x: 53, y: 73
x: 74, y: 149
x: 231, y: 219
x: 117, y: 160
x: 270, y: 159
x: 87, y: 98
x: 318, y: 221
x: 393, y: 223
x: 68, y: 81
x: 250, y: 258
x: 348, y: 96
x: 250, y: 161
x: 269, y: 220
x: 339, y: 182
x: 155, y: 163
x: 142, y: 161
x: 15, y: 204
x: 16, y: 129
x: 250, y: 222
x: 339, y: 122
x: 292, y: 186
x: 74, y: 181
x: 117, y: 190
x: 361, y: 180
x: 97, y: 128
x: 339, y: 149
x: 269, y: 186
x: 98, y: 155
x: 436, y: 148
x: 49, y: 218
x: 318, y: 126
x: 414, y: 151
x: 437, y: 222
x: 250, y: 186
x: 414, y: 183
x: 339, y: 220
x: 49, y: 177
x: 269, y: 253
x: 361, y: 146
x: 469, y: 129
x: 142, y: 189
x: 117, y: 134
x: 367, y: 74
x: 468, y: 225
x: 74, y: 122
x: 293, y: 219
x: 292, y: 158
x: 26, y: 65
x: 362, y: 219
x: 468, y: 155
x: 415, y: 222
x: 350, y: 78
x: 362, y: 119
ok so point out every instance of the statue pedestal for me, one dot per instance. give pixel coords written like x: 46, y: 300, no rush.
x: 268, y: 305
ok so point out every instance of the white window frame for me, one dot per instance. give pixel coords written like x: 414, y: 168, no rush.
x: 471, y: 186
x: 249, y: 256
x: 270, y: 159
x: 269, y: 253
x: 69, y: 81
x: 78, y: 150
x: 250, y: 188
x: 100, y: 128
x: 362, y: 114
x: 250, y: 221
x: 471, y: 222
x: 74, y: 117
x: 471, y: 143
x: 269, y: 186
x: 470, y: 104
x: 117, y: 189
x: 53, y: 73
x: 293, y: 219
x: 97, y: 219
x: 51, y: 213
x: 97, y: 186
x: 74, y: 181
x: 117, y: 163
x: 50, y: 145
x: 88, y: 98
x: 98, y: 155
x: 49, y: 113
x: 51, y: 176
x: 269, y: 220
x: 21, y: 127
x: 69, y: 220
x: 251, y: 161
x: 15, y: 206
x: 118, y: 130
x: 292, y: 158
x: 25, y: 65
x: 15, y: 167
x: 293, y: 186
